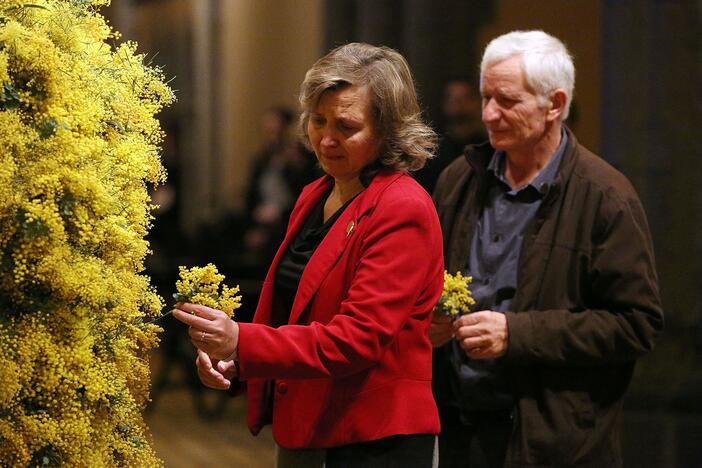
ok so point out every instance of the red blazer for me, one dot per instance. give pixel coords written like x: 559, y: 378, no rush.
x: 354, y: 362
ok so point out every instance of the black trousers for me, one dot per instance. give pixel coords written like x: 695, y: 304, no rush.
x: 480, y: 443
x: 401, y: 451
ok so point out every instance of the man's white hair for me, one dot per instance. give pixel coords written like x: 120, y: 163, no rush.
x: 546, y: 62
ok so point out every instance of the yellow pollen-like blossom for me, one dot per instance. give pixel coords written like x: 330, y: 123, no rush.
x: 203, y: 285
x: 79, y: 146
x: 456, y: 298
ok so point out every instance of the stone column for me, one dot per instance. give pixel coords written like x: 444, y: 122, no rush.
x: 197, y: 165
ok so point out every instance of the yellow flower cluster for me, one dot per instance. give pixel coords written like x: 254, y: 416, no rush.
x: 456, y: 297
x: 79, y: 144
x: 201, y: 285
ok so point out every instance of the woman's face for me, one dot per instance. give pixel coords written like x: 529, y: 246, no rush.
x: 342, y: 132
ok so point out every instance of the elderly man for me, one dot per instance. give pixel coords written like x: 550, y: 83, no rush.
x: 558, y: 246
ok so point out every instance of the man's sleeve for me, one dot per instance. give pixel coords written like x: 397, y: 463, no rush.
x: 626, y: 314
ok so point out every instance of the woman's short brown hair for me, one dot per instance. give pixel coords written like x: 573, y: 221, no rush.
x: 407, y: 141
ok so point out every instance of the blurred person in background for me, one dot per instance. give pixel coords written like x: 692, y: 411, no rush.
x: 559, y: 249
x: 280, y: 170
x: 338, y: 357
x: 461, y: 126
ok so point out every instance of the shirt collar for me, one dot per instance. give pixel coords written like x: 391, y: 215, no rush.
x: 546, y: 176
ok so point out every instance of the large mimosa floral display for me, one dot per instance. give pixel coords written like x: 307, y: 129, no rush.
x: 78, y: 149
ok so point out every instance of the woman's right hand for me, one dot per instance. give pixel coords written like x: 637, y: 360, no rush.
x: 213, y: 373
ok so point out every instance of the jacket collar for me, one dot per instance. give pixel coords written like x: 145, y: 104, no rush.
x: 336, y: 240
x: 479, y: 156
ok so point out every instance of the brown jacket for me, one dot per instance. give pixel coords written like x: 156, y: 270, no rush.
x: 587, y: 305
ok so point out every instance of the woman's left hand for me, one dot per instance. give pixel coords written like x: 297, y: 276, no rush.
x: 211, y: 330
x: 217, y: 374
x: 441, y: 329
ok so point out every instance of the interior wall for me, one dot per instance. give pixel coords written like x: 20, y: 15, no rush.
x: 265, y: 49
x: 229, y: 61
x: 255, y: 53
x: 577, y: 24
x: 437, y: 39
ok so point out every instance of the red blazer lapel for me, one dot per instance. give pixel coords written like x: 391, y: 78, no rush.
x: 323, y: 259
x: 307, y: 200
x: 335, y: 242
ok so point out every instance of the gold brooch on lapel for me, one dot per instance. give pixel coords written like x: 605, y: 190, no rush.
x: 349, y: 228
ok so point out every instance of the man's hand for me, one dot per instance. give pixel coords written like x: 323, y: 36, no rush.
x: 440, y: 330
x: 482, y: 335
x: 215, y: 374
x: 211, y: 330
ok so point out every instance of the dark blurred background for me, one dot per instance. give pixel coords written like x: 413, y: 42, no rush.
x: 234, y: 165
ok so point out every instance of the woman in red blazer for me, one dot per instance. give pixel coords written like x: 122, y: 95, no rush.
x: 337, y: 357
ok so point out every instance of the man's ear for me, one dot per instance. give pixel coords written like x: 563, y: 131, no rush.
x: 557, y: 103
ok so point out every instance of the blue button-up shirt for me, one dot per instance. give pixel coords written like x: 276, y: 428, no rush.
x: 493, y: 262
x: 497, y: 240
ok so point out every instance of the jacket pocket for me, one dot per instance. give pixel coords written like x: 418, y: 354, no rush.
x: 553, y: 427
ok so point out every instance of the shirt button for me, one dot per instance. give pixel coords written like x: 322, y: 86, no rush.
x: 496, y: 238
x: 281, y: 387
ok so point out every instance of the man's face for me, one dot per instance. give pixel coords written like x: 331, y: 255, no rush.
x: 513, y: 117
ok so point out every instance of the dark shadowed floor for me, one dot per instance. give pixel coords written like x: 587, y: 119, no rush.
x: 185, y: 438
